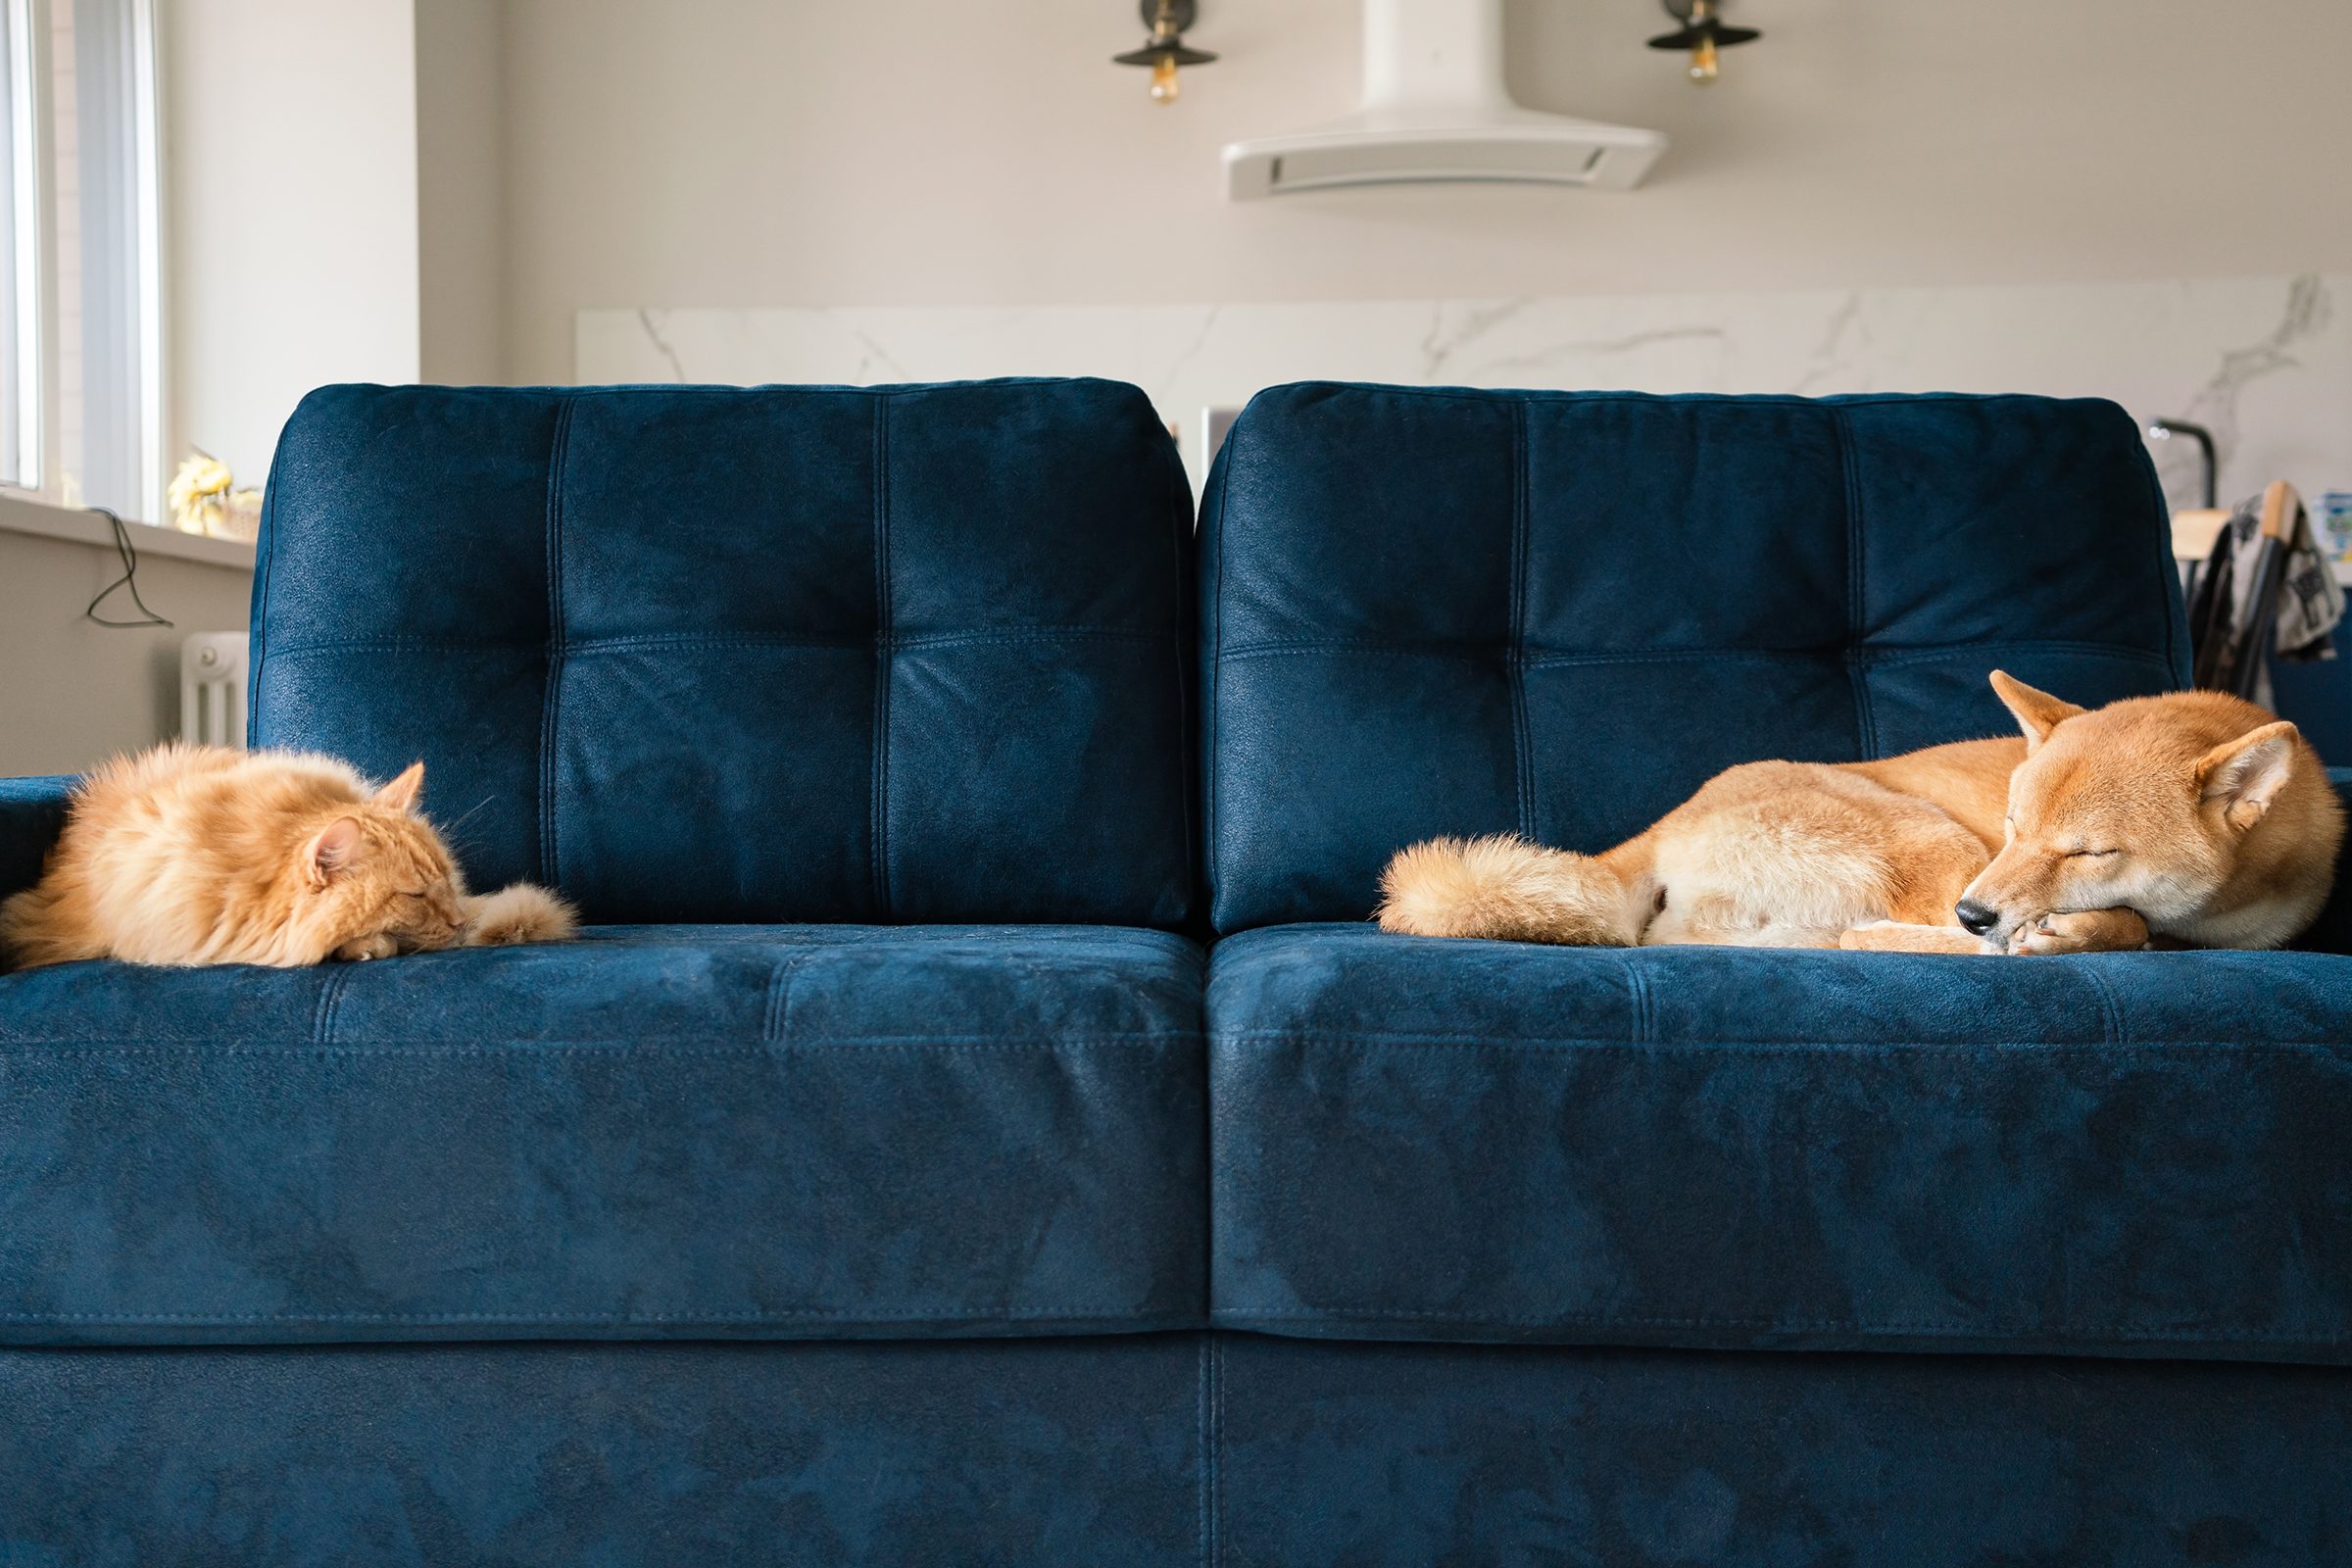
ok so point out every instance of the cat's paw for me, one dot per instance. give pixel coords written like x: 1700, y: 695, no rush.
x: 358, y: 950
x: 521, y: 913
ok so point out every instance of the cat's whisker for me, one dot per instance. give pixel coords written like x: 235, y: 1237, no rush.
x: 467, y: 815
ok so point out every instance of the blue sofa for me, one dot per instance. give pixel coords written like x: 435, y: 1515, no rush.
x: 979, y: 1126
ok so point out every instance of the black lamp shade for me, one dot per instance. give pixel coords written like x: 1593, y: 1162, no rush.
x: 1691, y: 38
x: 1151, y: 53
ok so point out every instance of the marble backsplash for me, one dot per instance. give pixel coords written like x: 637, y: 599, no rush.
x: 2266, y: 363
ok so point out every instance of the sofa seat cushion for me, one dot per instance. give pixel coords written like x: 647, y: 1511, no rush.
x: 2126, y: 1153
x: 657, y: 1132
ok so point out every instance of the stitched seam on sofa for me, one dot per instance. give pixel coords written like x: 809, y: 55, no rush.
x: 957, y: 1312
x: 551, y: 699
x: 1573, y: 1043
x: 2112, y: 1010
x: 1857, y: 632
x: 692, y: 640
x: 671, y: 1045
x: 1901, y: 657
x: 671, y: 389
x: 1882, y: 656
x: 1217, y: 1434
x: 1200, y: 1480
x: 918, y: 643
x: 1538, y: 658
x: 394, y: 644
x: 1180, y: 531
x: 779, y: 992
x: 1522, y: 744
x: 879, y: 826
x: 1228, y: 460
x: 1669, y: 399
x: 323, y: 1018
x: 259, y: 640
x: 1938, y: 1326
x: 1637, y: 997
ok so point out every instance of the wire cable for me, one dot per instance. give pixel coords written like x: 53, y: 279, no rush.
x: 129, y: 579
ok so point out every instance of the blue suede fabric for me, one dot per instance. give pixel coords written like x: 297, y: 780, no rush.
x: 1558, y: 613
x: 32, y: 812
x: 1016, y: 1454
x: 782, y: 654
x: 1400, y: 1456
x: 2126, y: 1153
x: 1160, y: 1449
x: 662, y: 1132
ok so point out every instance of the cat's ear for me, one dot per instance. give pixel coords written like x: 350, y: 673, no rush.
x: 331, y: 850
x: 401, y: 794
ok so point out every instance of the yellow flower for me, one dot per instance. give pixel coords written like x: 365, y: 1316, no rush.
x: 199, y: 479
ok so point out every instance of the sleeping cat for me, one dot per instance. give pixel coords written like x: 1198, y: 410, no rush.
x: 190, y: 854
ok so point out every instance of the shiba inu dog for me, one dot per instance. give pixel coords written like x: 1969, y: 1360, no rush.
x: 2191, y: 819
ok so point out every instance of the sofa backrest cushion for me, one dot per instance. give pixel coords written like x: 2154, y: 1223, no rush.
x: 1557, y: 613
x: 706, y: 654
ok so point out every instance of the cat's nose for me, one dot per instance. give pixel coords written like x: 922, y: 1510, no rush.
x: 1978, y: 919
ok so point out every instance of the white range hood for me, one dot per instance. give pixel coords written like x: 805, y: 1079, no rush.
x: 1435, y: 109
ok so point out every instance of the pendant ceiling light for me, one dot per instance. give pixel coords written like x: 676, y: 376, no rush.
x: 1165, y: 49
x: 1703, y: 33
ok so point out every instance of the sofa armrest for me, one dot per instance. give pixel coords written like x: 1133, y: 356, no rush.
x: 2331, y: 932
x: 32, y: 812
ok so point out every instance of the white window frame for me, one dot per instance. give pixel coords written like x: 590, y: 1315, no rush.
x: 32, y: 185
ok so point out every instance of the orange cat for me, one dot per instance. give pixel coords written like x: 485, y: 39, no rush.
x: 191, y: 855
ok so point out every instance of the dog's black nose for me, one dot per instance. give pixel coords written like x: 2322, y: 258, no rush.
x: 1978, y: 917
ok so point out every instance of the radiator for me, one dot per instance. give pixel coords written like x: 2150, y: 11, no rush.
x: 212, y: 688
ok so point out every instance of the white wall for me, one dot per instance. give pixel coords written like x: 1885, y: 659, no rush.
x: 929, y: 152
x: 292, y: 210
x: 459, y: 189
x: 78, y: 692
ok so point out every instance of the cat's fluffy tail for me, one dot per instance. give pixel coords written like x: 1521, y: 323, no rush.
x: 521, y: 913
x: 1509, y: 890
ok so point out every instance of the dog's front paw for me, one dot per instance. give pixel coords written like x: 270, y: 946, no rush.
x: 2080, y: 931
x: 519, y: 913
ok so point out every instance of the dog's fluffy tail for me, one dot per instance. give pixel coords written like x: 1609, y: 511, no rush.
x: 1507, y: 889
x: 521, y: 913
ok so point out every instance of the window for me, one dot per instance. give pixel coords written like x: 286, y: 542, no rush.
x: 80, y: 302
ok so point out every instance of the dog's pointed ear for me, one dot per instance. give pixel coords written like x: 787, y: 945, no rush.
x: 2245, y: 776
x: 401, y: 794
x: 331, y: 850
x: 2037, y: 712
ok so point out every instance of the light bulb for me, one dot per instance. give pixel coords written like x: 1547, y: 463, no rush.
x: 1702, y: 62
x: 1164, y: 86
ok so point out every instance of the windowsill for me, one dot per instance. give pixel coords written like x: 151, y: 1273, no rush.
x: 20, y: 513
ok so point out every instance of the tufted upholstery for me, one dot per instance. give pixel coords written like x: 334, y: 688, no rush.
x: 1558, y: 613
x: 786, y: 654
